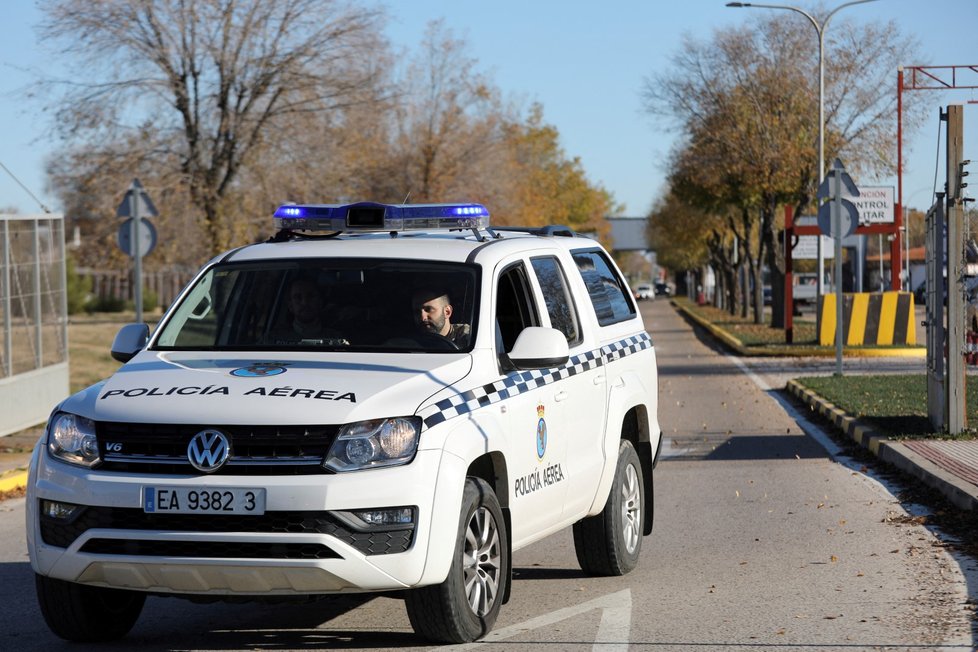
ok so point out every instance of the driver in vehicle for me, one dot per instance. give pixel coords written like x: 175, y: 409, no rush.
x: 433, y: 309
x: 305, y: 304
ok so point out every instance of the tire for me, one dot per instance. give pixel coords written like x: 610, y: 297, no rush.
x: 609, y: 543
x: 464, y: 607
x: 87, y: 614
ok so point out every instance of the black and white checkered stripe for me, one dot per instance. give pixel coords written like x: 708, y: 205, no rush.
x: 517, y: 382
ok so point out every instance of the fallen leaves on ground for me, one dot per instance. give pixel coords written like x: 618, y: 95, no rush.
x: 18, y: 492
x: 904, y: 519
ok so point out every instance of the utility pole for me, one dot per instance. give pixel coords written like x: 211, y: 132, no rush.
x: 956, y: 417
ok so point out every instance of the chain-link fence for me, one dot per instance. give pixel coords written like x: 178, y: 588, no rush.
x: 33, y: 316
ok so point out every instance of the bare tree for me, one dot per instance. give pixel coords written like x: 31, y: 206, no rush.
x: 746, y: 101
x: 450, y: 116
x: 208, y: 79
x: 326, y: 126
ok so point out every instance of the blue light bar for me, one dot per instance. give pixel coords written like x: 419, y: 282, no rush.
x: 370, y: 216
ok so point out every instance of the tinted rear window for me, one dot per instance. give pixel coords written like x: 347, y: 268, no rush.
x: 609, y: 294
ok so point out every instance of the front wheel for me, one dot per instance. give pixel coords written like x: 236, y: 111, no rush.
x: 609, y: 543
x: 464, y: 607
x: 87, y: 614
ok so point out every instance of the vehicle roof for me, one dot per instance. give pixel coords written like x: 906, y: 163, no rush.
x: 442, y: 246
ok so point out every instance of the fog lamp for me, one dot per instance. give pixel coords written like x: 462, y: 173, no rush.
x: 389, y: 516
x: 60, y: 511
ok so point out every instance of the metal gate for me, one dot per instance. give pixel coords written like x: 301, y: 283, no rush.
x: 33, y: 317
x: 935, y: 287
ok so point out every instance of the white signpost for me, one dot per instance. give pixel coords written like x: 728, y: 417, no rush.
x: 838, y: 218
x: 136, y: 206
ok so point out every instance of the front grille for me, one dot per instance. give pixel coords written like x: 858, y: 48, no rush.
x: 255, y: 450
x: 371, y: 542
x: 209, y: 549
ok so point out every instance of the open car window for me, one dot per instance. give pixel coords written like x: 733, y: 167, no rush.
x: 323, y: 304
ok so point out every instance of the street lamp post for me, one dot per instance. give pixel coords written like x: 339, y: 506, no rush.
x: 820, y: 30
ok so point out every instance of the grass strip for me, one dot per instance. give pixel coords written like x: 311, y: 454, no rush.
x: 747, y: 332
x: 893, y: 404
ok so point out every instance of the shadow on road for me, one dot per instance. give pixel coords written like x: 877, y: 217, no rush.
x: 763, y: 447
x: 178, y: 624
x: 542, y: 573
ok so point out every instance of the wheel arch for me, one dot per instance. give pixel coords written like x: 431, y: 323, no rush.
x: 635, y: 428
x: 491, y: 467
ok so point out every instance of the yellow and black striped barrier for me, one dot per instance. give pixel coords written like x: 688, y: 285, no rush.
x: 869, y: 318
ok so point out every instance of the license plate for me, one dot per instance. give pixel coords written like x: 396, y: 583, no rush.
x: 200, y: 500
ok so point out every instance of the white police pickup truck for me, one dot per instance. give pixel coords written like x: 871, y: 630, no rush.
x: 380, y: 397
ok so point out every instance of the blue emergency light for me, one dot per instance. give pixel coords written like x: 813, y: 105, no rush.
x: 370, y: 216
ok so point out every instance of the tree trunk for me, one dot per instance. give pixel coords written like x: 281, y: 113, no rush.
x: 774, y: 256
x: 731, y: 283
x: 742, y: 289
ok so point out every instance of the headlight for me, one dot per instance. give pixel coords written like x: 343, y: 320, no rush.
x: 379, y: 442
x: 72, y: 438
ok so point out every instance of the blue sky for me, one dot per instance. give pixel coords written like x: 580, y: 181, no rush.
x: 584, y: 61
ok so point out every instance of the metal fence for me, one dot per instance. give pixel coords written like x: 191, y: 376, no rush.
x: 165, y: 284
x: 33, y: 315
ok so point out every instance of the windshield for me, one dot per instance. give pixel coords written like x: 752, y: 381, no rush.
x: 326, y: 304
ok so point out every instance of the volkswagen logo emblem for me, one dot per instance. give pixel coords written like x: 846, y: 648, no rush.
x: 208, y: 450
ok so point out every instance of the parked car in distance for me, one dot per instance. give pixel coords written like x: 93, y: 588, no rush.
x: 806, y: 287
x: 663, y: 289
x: 644, y: 291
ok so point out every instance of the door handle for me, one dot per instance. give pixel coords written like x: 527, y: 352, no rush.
x: 597, y: 380
x: 560, y: 396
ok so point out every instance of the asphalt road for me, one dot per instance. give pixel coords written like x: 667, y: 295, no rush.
x: 763, y: 541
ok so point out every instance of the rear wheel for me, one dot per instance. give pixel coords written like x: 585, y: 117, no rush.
x: 87, y: 614
x: 609, y: 543
x: 464, y: 607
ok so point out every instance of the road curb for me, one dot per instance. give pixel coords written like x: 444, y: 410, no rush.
x: 15, y: 479
x: 960, y: 493
x: 734, y: 344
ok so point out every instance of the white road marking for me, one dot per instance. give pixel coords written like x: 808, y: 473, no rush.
x: 616, y: 623
x: 760, y: 382
x: 613, y: 633
x: 812, y: 430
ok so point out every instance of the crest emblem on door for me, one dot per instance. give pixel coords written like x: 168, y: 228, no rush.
x: 541, y: 433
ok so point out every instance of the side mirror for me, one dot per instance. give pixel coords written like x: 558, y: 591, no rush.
x: 130, y: 340
x: 539, y: 348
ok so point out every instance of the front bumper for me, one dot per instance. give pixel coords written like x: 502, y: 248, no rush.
x: 301, y: 545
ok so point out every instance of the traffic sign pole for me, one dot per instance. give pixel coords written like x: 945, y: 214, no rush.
x: 134, y: 204
x: 837, y: 232
x: 831, y: 189
x: 138, y: 258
